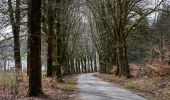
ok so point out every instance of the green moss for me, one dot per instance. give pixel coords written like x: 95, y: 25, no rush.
x: 129, y: 84
x: 69, y: 85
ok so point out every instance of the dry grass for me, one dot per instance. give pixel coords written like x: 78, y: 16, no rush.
x: 8, y: 85
x: 153, y: 69
x: 53, y: 90
x: 157, y: 88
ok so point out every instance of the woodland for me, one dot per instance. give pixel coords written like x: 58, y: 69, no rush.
x: 46, y: 44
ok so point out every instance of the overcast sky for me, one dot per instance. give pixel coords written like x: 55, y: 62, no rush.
x: 150, y: 3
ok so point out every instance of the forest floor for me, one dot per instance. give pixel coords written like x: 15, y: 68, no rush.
x: 53, y: 90
x: 156, y: 88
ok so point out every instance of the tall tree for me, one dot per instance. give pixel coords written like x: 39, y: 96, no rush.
x: 15, y: 23
x: 28, y: 38
x: 51, y: 17
x: 58, y: 41
x: 35, y: 85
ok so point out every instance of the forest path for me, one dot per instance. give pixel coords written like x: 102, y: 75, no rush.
x: 91, y: 88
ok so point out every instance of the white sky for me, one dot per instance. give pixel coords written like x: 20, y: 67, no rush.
x: 148, y: 2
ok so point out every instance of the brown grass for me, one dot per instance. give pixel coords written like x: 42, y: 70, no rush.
x: 53, y: 89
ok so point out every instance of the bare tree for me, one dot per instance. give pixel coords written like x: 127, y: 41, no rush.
x: 15, y: 23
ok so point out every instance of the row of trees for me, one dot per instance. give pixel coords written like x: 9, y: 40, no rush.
x: 62, y: 26
x: 80, y: 35
x: 115, y: 21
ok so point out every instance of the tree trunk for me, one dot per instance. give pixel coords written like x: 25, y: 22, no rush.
x: 95, y: 63
x: 72, y: 66
x: 35, y: 85
x: 82, y: 66
x: 5, y: 64
x: 59, y: 41
x: 28, y: 38
x: 67, y: 68
x: 69, y: 71
x: 50, y: 38
x: 28, y: 54
x: 15, y: 23
x: 91, y: 64
x: 85, y: 65
x: 88, y: 65
x: 79, y: 66
x: 102, y: 63
x: 123, y: 61
x: 76, y: 63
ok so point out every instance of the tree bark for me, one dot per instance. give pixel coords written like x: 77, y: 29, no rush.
x: 123, y: 61
x: 95, y: 63
x: 28, y: 38
x: 50, y: 38
x: 79, y: 66
x: 35, y: 85
x: 59, y: 41
x: 91, y: 64
x: 85, y: 65
x: 76, y: 64
x: 15, y: 23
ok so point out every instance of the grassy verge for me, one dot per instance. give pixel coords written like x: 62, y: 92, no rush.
x: 151, y: 88
x: 8, y: 85
x: 53, y: 90
x: 70, y: 86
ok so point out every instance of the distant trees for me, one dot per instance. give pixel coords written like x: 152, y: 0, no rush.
x: 163, y: 34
